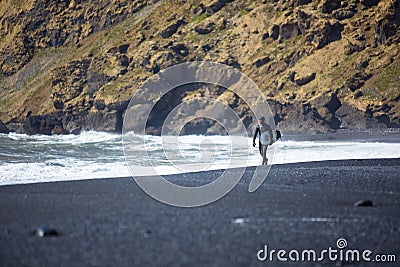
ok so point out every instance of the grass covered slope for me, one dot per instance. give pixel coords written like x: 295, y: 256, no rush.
x: 323, y: 65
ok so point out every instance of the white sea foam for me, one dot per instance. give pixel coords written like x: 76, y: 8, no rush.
x: 42, y: 158
x: 84, y: 137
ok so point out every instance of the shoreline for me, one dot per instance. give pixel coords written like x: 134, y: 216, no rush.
x: 344, y: 133
x: 338, y: 162
x: 103, y: 222
x: 373, y: 135
x: 349, y: 136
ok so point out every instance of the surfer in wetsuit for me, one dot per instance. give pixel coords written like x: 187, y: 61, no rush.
x: 262, y: 128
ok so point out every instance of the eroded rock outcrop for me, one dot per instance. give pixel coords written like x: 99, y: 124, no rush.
x: 3, y: 128
x: 205, y: 29
x: 327, y: 6
x: 172, y: 28
x: 305, y: 79
x: 261, y: 61
x: 323, y: 65
x: 387, y: 22
x: 317, y: 30
x: 216, y: 6
x: 68, y: 82
x: 45, y: 23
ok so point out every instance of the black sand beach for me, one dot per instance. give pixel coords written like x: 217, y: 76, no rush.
x: 112, y: 222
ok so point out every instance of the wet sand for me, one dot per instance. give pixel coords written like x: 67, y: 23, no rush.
x: 112, y: 222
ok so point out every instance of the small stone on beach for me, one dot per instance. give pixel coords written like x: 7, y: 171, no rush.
x: 146, y: 233
x: 240, y: 221
x: 363, y: 203
x: 45, y: 231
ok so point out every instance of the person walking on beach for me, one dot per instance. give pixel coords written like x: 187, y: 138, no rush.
x: 265, y: 138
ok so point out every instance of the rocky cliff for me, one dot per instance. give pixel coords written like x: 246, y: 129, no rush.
x: 67, y: 66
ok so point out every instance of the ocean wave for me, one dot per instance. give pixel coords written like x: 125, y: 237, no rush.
x: 42, y: 158
x: 83, y: 138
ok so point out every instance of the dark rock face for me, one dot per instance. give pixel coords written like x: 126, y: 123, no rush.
x: 99, y: 104
x: 108, y: 119
x: 230, y: 61
x: 353, y: 118
x: 216, y: 6
x: 180, y: 49
x: 43, y: 124
x: 261, y: 61
x: 304, y: 80
x: 288, y: 30
x: 187, y: 111
x: 15, y: 56
x: 119, y: 106
x: 122, y: 49
x: 327, y: 6
x: 352, y: 47
x: 202, y: 126
x: 326, y: 34
x: 327, y: 105
x: 333, y: 103
x: 343, y: 14
x: 288, y: 116
x: 322, y: 114
x: 205, y: 29
x: 264, y: 36
x: 3, y: 128
x: 58, y: 129
x: 357, y: 81
x: 162, y: 60
x: 95, y: 80
x: 274, y: 32
x: 104, y: 121
x: 15, y: 127
x: 304, y: 2
x: 318, y: 31
x: 197, y: 11
x: 370, y: 3
x: 206, y: 48
x: 387, y: 24
x: 172, y: 29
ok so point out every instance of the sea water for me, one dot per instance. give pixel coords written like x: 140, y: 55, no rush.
x: 42, y: 158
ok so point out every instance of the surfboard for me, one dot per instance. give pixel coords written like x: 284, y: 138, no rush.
x: 267, y: 139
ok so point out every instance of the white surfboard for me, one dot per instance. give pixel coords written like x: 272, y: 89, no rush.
x: 267, y: 139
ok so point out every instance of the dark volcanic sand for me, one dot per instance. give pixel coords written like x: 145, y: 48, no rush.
x: 112, y: 222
